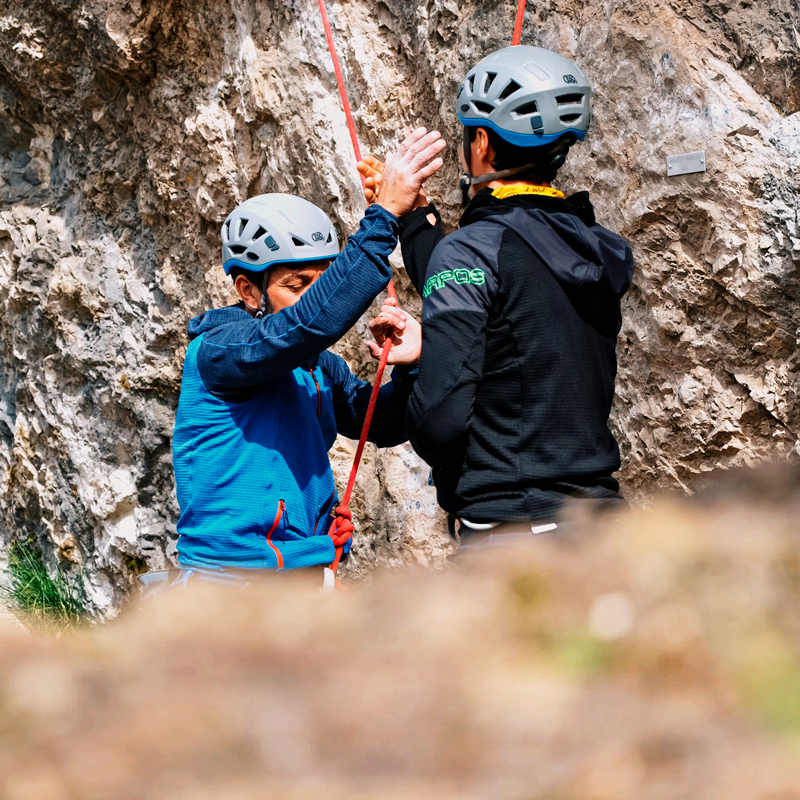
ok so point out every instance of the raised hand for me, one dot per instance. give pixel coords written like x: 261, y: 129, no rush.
x: 371, y: 169
x: 405, y: 331
x: 407, y: 169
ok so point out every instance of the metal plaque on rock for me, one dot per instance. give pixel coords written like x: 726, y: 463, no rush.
x: 686, y: 163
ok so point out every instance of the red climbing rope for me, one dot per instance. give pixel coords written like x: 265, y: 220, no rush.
x: 351, y: 125
x: 342, y: 529
x: 518, y: 24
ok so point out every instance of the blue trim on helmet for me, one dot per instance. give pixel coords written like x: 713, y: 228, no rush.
x: 520, y: 139
x: 234, y: 262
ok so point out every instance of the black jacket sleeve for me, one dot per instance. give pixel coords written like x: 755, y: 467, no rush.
x: 418, y: 239
x: 351, y: 398
x: 457, y: 295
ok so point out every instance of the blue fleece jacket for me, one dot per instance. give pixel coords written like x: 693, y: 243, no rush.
x: 261, y: 403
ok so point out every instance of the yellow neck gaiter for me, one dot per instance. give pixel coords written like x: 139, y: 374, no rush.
x: 502, y: 192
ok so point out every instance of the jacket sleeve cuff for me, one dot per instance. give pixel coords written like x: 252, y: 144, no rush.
x: 418, y: 219
x: 403, y: 373
x: 378, y: 211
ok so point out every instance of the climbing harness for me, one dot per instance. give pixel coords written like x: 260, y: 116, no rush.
x: 342, y: 528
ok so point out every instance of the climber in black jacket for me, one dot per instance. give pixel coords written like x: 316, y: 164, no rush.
x: 521, y: 310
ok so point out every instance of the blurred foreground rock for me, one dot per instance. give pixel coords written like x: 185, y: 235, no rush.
x: 653, y: 658
x: 128, y: 130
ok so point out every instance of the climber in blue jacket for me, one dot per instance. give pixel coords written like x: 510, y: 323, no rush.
x: 262, y: 399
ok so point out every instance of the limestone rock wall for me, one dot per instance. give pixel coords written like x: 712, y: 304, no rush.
x: 129, y: 128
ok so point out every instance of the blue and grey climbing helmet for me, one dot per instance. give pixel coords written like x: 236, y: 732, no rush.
x: 528, y: 95
x: 272, y: 229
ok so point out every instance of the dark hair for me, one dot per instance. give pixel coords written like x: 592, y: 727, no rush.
x: 546, y: 161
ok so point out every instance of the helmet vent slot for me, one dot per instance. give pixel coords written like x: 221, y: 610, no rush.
x: 511, y: 87
x: 570, y: 99
x: 471, y: 82
x: 238, y: 249
x: 297, y: 242
x: 252, y: 256
x: 484, y: 108
x: 570, y: 117
x: 227, y: 227
x: 242, y: 225
x: 527, y: 109
x: 259, y: 233
x: 488, y: 81
x: 330, y: 238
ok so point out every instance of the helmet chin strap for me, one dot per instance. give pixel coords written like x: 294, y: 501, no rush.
x: 263, y: 309
x: 557, y: 153
x: 473, y: 180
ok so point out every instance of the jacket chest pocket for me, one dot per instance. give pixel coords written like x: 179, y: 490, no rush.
x: 316, y: 393
x: 322, y: 404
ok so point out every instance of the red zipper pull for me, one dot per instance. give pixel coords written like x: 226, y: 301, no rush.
x: 278, y: 517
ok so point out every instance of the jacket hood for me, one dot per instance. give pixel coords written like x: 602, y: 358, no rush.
x: 209, y: 320
x: 564, y: 235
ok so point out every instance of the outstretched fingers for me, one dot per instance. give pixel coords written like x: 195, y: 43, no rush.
x: 419, y: 145
x: 370, y: 166
x: 430, y: 152
x: 407, y: 169
x: 410, y: 141
x: 374, y: 163
x: 430, y: 169
x: 371, y: 187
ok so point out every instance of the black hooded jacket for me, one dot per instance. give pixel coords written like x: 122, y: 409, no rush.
x: 521, y: 310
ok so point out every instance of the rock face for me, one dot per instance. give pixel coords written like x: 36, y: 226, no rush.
x: 128, y: 130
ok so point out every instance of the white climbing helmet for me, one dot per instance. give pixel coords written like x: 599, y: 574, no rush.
x: 272, y: 229
x: 528, y: 95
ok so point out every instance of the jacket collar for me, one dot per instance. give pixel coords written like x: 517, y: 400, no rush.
x: 485, y: 205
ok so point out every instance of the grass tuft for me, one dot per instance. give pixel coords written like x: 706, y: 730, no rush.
x: 43, y: 603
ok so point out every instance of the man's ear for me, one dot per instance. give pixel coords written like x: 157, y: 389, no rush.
x: 248, y: 291
x: 485, y: 150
